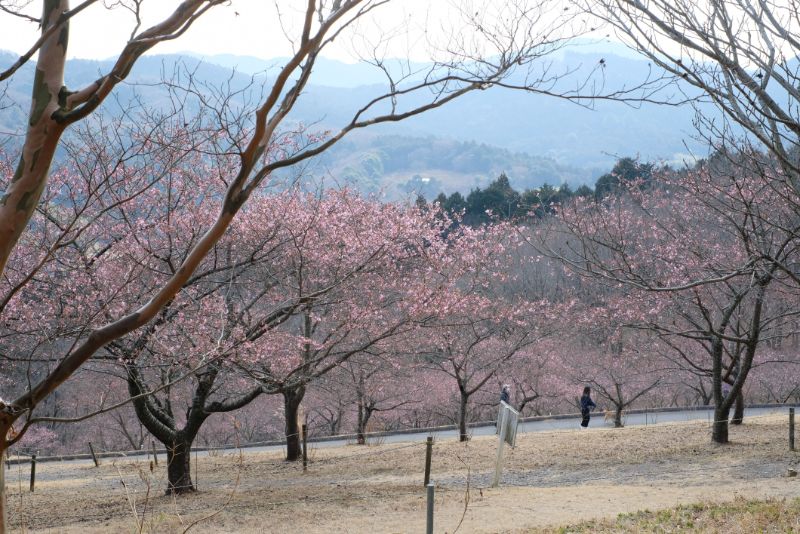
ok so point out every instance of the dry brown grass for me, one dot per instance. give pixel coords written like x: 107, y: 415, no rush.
x: 550, y: 479
x: 741, y: 516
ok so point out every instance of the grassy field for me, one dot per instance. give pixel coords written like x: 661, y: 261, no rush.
x: 739, y: 516
x: 552, y: 480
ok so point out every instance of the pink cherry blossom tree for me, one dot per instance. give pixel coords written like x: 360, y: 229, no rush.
x: 620, y: 366
x: 480, y: 327
x: 356, y: 266
x: 382, y: 387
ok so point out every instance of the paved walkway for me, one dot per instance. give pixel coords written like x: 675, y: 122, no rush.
x: 558, y: 422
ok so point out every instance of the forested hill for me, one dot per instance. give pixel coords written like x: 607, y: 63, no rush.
x: 400, y: 166
x: 533, y: 138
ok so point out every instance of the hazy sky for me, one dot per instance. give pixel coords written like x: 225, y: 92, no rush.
x: 246, y: 27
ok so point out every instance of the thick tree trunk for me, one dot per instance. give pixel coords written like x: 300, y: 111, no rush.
x: 722, y: 405
x: 361, y: 422
x: 719, y: 432
x: 462, y: 419
x: 291, y: 403
x: 618, y: 416
x: 179, y: 466
x: 738, y: 410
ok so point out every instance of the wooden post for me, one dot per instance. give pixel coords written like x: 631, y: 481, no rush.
x: 429, y: 529
x: 305, y: 448
x: 428, y: 453
x: 33, y: 471
x: 791, y: 429
x: 94, y: 456
x: 155, y: 458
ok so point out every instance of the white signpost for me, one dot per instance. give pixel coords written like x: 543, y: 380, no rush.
x: 507, y: 421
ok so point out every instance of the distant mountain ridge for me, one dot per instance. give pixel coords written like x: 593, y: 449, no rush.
x: 327, y: 72
x: 539, y: 138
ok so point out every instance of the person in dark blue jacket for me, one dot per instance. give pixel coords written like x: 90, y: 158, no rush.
x: 587, y: 404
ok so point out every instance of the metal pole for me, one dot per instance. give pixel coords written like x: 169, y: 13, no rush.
x: 94, y: 456
x: 305, y: 448
x: 33, y: 471
x: 4, y: 496
x: 428, y: 453
x: 429, y: 529
x: 791, y: 429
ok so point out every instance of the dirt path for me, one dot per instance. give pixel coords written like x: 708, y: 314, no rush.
x: 551, y: 478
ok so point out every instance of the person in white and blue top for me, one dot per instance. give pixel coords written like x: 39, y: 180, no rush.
x: 505, y: 394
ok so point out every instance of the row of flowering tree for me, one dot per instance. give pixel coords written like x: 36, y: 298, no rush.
x: 302, y: 286
x: 702, y: 259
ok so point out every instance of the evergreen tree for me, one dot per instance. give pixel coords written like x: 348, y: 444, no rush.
x: 499, y: 199
x: 455, y: 203
x: 421, y: 203
x: 625, y: 172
